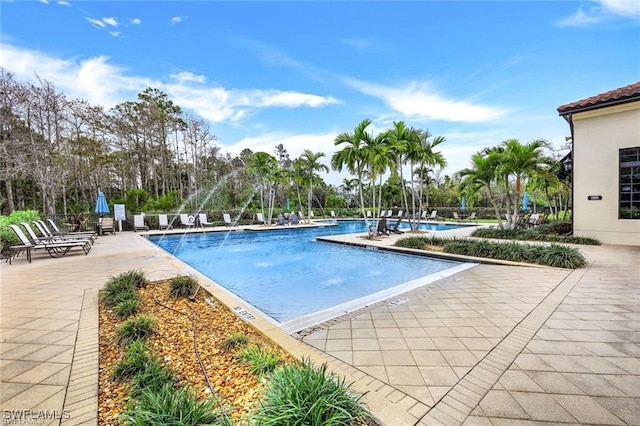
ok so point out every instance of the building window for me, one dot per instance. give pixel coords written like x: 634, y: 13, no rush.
x: 629, y: 195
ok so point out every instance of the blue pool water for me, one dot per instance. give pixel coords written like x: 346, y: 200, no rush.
x: 287, y: 274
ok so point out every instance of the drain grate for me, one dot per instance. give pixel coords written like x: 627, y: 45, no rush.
x: 398, y: 302
x: 244, y: 314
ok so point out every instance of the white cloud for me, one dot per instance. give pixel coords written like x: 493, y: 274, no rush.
x: 64, y: 3
x: 358, y: 43
x: 110, y: 21
x: 103, y: 23
x: 96, y: 22
x: 176, y: 20
x: 419, y: 100
x: 115, y: 33
x: 185, y: 77
x: 136, y: 21
x: 603, y: 10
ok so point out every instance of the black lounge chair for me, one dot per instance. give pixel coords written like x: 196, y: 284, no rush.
x: 395, y: 229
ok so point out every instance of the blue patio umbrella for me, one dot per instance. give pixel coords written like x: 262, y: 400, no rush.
x: 101, y: 204
x: 525, y: 202
x: 288, y: 205
x: 463, y: 204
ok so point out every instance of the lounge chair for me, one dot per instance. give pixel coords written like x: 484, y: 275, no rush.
x: 260, y: 218
x: 472, y: 217
x: 226, y: 217
x: 333, y: 214
x: 434, y: 215
x: 54, y: 248
x: 395, y: 229
x: 202, y: 219
x: 163, y: 222
x: 187, y: 220
x: 56, y: 230
x: 281, y: 220
x: 294, y: 219
x: 382, y: 227
x: 456, y: 217
x: 46, y: 233
x: 369, y: 216
x: 138, y: 223
x: 107, y: 225
x: 399, y: 215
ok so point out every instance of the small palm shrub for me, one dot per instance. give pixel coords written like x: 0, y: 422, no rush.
x: 234, y: 341
x: 138, y: 327
x: 305, y: 395
x: 182, y: 286
x: 259, y: 361
x: 135, y: 360
x: 171, y: 406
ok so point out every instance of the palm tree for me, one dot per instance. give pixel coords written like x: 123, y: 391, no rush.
x: 378, y: 161
x: 483, y: 175
x: 264, y: 167
x: 352, y: 156
x: 311, y: 165
x: 520, y: 161
x: 400, y: 140
x: 423, y: 154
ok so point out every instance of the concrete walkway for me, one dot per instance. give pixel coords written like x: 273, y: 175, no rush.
x: 489, y: 345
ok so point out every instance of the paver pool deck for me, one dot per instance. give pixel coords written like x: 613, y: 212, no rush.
x: 494, y: 344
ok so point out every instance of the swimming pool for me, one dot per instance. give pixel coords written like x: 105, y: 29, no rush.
x: 288, y: 275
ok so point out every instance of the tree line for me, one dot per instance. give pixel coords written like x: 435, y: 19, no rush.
x: 150, y: 155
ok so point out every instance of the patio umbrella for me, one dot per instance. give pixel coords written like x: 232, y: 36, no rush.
x: 101, y: 204
x: 288, y: 205
x: 463, y: 204
x: 525, y: 202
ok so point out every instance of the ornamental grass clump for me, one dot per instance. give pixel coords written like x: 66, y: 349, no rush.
x: 135, y: 360
x: 117, y: 290
x: 173, y: 406
x: 545, y: 233
x: 234, y: 341
x: 127, y: 307
x: 182, y: 286
x: 305, y: 395
x: 136, y: 277
x: 138, y: 327
x: 259, y: 360
x: 151, y: 379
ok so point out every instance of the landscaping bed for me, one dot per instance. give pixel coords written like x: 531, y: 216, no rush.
x: 237, y: 388
x: 170, y: 353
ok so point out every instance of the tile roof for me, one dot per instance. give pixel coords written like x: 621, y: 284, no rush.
x: 617, y: 96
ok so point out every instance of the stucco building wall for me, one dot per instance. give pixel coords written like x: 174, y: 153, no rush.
x: 598, y: 136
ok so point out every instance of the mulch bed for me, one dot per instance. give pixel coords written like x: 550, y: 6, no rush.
x: 173, y: 342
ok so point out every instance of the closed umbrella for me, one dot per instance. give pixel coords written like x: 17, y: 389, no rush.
x: 101, y: 204
x: 525, y: 202
x: 463, y: 204
x: 288, y: 205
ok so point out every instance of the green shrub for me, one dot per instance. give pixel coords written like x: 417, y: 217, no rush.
x: 152, y: 378
x: 412, y: 242
x: 259, y: 361
x: 562, y: 257
x: 171, y: 406
x: 305, y: 395
x: 138, y: 327
x: 127, y: 307
x: 7, y: 236
x: 136, y: 277
x: 135, y: 360
x: 182, y: 286
x: 234, y: 341
x: 547, y: 232
x: 120, y: 288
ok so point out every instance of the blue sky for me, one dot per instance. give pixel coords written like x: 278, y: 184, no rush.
x: 298, y: 73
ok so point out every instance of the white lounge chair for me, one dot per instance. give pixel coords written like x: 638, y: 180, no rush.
x: 202, y: 218
x: 400, y: 213
x: 187, y: 220
x: 138, y: 223
x: 434, y: 215
x: 163, y: 222
x: 260, y: 218
x: 333, y: 214
x: 226, y: 217
x: 106, y: 225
